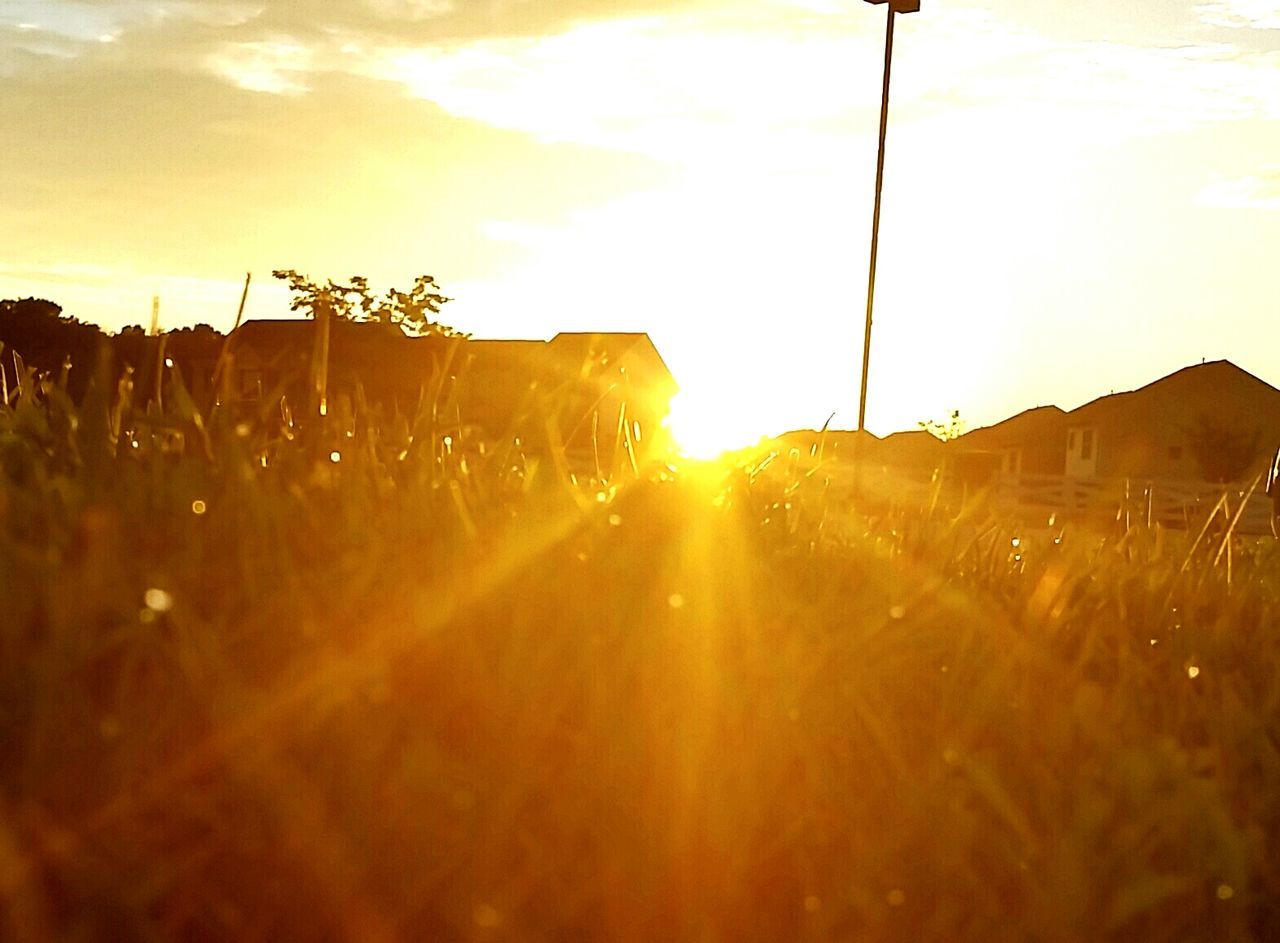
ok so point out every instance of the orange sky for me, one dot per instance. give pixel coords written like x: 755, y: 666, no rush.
x: 1080, y: 196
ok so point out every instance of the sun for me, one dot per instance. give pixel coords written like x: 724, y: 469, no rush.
x: 705, y: 429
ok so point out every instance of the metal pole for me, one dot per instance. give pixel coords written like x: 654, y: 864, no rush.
x: 875, y: 219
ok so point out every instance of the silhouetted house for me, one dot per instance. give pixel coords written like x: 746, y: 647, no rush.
x: 1030, y: 442
x: 807, y: 446
x: 916, y: 454
x: 194, y: 351
x: 273, y: 358
x: 602, y: 396
x: 1177, y: 427
x: 1208, y: 421
x: 612, y: 392
x: 915, y: 451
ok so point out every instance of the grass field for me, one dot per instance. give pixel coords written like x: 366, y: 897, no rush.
x: 354, y: 685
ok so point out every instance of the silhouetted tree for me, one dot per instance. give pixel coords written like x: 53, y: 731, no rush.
x: 199, y: 343
x: 1223, y: 453
x: 413, y: 311
x: 132, y: 347
x: 46, y: 338
x: 953, y: 428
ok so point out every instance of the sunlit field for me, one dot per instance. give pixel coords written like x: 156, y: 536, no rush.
x: 346, y: 683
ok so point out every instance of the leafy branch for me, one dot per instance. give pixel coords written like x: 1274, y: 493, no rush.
x: 413, y: 311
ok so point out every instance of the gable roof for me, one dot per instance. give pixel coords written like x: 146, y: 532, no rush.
x: 273, y: 332
x: 582, y: 347
x: 1213, y: 374
x: 573, y: 352
x: 911, y: 435
x: 1042, y: 419
x: 915, y: 446
x: 286, y: 331
x: 587, y: 343
x: 833, y: 437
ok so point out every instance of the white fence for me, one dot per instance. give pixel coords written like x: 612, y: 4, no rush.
x: 1170, y: 503
x: 1177, y: 504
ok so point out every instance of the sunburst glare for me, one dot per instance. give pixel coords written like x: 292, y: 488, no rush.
x: 705, y: 428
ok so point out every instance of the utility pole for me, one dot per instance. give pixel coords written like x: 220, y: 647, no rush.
x: 895, y: 7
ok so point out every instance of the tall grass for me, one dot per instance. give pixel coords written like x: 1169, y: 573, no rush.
x: 355, y: 682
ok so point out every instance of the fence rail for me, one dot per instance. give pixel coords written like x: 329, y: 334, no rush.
x: 1175, y: 504
x: 1169, y: 503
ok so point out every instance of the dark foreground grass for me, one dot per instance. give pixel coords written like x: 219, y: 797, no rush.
x: 400, y: 697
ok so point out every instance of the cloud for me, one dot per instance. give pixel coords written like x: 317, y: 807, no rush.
x: 277, y: 67
x: 1133, y: 89
x: 191, y: 175
x: 436, y: 21
x: 412, y: 21
x: 272, y: 46
x: 87, y: 290
x: 1241, y: 14
x: 41, y: 36
x: 678, y: 87
x: 91, y: 20
x: 716, y: 84
x: 664, y: 78
x: 1260, y: 191
x: 61, y: 273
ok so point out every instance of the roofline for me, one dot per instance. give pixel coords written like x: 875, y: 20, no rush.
x: 829, y: 432
x: 1170, y: 376
x: 635, y: 335
x: 1067, y: 413
x: 913, y: 432
x: 1056, y: 410
x: 601, y: 334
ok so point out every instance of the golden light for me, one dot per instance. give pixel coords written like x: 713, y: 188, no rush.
x: 704, y: 429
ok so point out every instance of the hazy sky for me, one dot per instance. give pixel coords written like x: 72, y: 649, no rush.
x: 1081, y: 195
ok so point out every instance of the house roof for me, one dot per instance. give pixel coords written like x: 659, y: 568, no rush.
x: 1032, y: 416
x: 1211, y: 372
x: 507, y: 350
x: 915, y: 445
x: 270, y: 332
x: 913, y: 436
x: 586, y: 343
x: 1199, y: 381
x: 585, y: 346
x: 284, y: 331
x: 1043, y: 418
x: 571, y: 351
x: 834, y: 436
